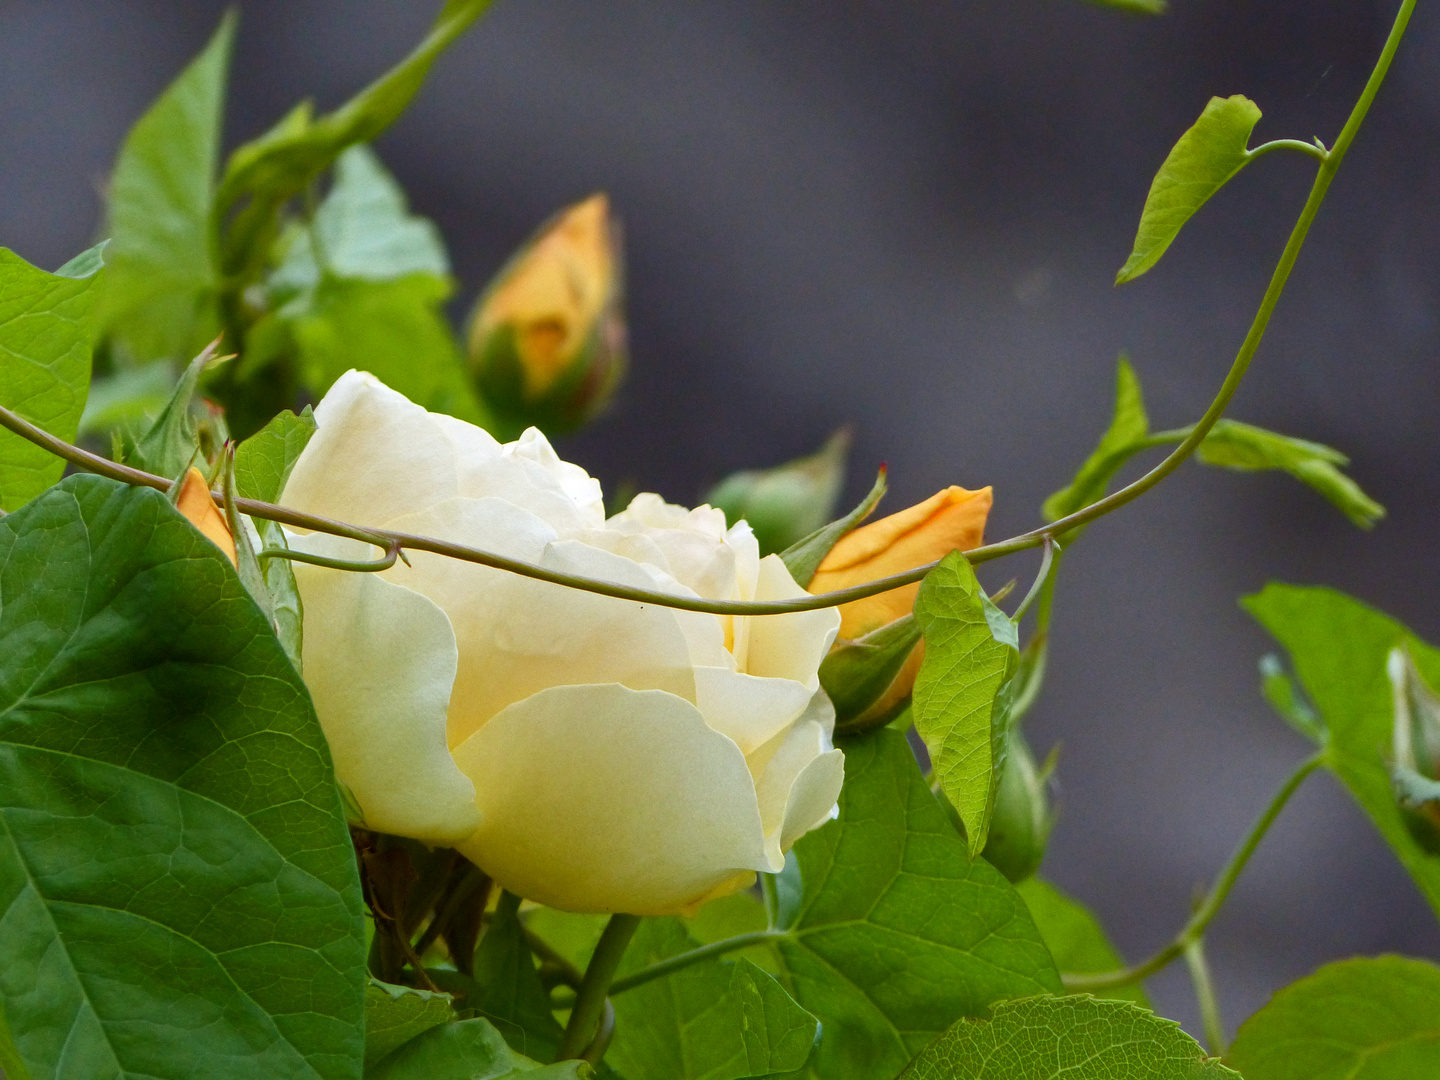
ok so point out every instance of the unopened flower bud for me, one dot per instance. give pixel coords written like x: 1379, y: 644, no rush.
x: 950, y: 520
x: 195, y: 502
x: 547, y: 338
x: 1415, y: 770
x: 1021, y: 823
x: 788, y: 502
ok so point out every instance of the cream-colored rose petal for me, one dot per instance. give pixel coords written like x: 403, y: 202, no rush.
x: 375, y: 455
x: 788, y: 646
x: 799, y: 785
x: 748, y: 709
x: 520, y: 635
x: 380, y: 661
x: 602, y: 798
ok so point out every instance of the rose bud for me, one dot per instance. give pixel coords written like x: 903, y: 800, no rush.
x: 195, y: 502
x: 789, y: 502
x: 547, y: 337
x: 950, y: 520
x: 1020, y: 826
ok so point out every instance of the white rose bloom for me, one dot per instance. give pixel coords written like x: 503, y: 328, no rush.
x: 589, y: 753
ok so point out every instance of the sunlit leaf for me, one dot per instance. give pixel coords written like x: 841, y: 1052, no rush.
x: 1339, y: 648
x: 961, y: 699
x: 1067, y: 1038
x: 44, y: 364
x: 1233, y: 445
x: 159, y: 292
x: 178, y: 890
x: 1075, y: 937
x: 1139, y: 7
x: 896, y: 933
x: 1373, y: 1018
x: 1199, y: 165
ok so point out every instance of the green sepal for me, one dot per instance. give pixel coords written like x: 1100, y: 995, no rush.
x: 789, y: 502
x: 173, y: 440
x: 804, y: 557
x: 856, y: 674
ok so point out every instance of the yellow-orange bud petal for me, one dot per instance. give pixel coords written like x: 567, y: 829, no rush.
x: 197, y: 505
x: 950, y: 520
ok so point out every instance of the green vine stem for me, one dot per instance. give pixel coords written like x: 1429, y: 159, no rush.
x: 1210, y: 906
x: 685, y: 959
x: 590, y: 999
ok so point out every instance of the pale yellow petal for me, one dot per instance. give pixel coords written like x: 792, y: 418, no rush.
x: 602, y: 798
x: 748, y: 709
x: 380, y: 661
x: 518, y: 635
x: 788, y: 646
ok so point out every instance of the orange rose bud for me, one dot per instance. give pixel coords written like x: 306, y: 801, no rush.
x: 950, y: 520
x: 200, y: 509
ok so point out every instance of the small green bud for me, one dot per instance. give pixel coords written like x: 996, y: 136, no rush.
x: 1415, y: 771
x: 789, y: 502
x: 547, y: 337
x: 1022, y: 820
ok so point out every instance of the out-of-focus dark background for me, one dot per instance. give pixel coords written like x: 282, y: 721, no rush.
x: 907, y: 214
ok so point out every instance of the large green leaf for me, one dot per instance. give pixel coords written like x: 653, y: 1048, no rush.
x: 44, y: 364
x: 1125, y: 436
x: 467, y: 1050
x: 396, y: 1014
x: 713, y: 1020
x: 1200, y: 164
x: 159, y: 293
x: 178, y: 892
x: 1075, y: 937
x: 1233, y: 445
x: 281, y: 162
x: 1068, y: 1038
x: 1339, y: 649
x: 1363, y: 1019
x: 961, y: 702
x: 896, y: 932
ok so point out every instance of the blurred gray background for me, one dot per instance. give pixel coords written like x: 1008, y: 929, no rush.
x: 907, y: 214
